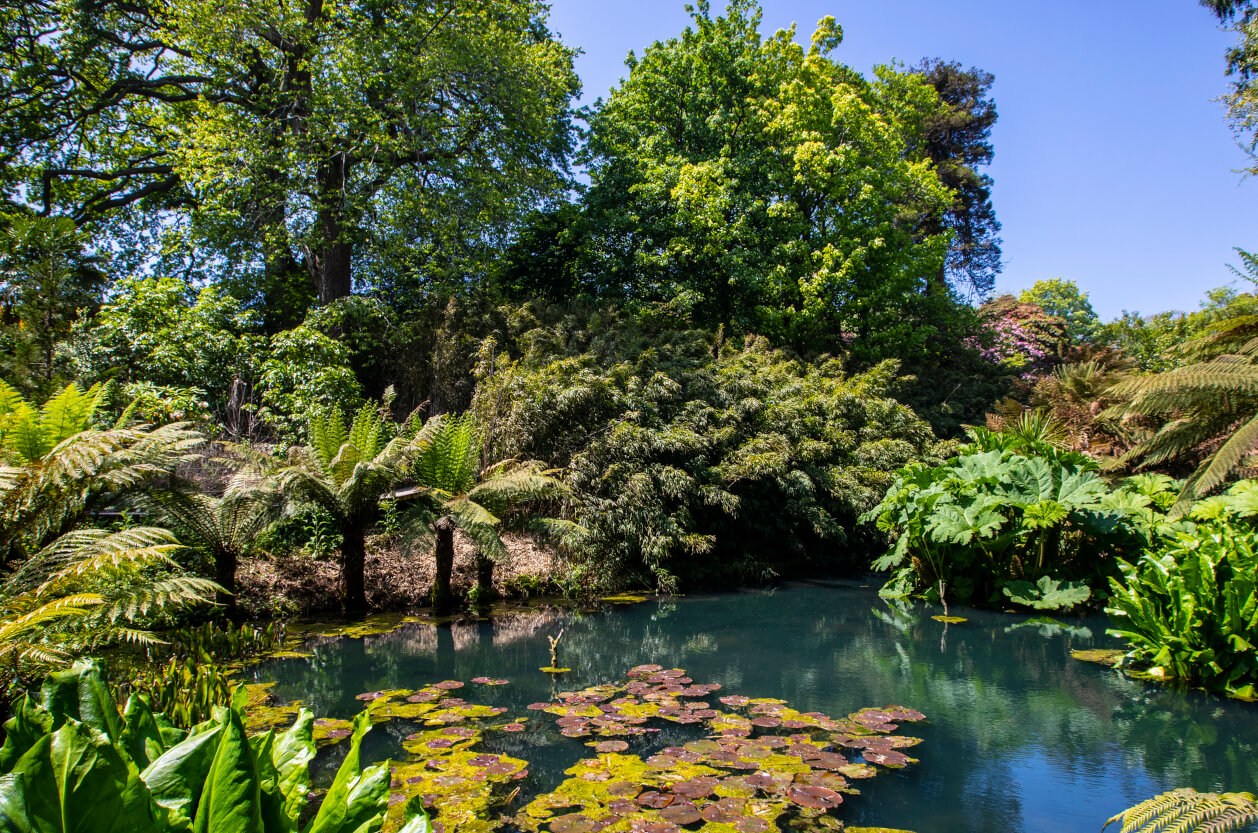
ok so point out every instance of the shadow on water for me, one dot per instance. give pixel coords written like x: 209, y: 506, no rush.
x: 1020, y: 737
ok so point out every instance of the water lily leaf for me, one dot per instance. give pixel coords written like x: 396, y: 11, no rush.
x: 681, y: 813
x: 610, y: 746
x: 950, y: 620
x: 814, y: 797
x: 572, y: 823
x: 1103, y: 656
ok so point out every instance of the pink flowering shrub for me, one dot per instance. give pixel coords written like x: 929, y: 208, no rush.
x: 1020, y: 336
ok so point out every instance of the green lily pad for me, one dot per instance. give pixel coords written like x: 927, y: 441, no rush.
x: 950, y: 620
x: 1102, y: 656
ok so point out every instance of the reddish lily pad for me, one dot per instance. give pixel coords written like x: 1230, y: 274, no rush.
x: 610, y: 746
x: 681, y: 814
x: 513, y: 727
x: 448, y: 685
x: 655, y: 800
x: 572, y: 823
x: 814, y: 797
x: 725, y: 811
x: 752, y: 824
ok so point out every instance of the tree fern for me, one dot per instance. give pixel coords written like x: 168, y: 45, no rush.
x: 1209, y: 408
x: 27, y: 433
x: 1188, y: 811
x: 88, y: 588
x: 454, y: 491
x: 224, y: 526
x: 45, y: 497
x: 345, y: 470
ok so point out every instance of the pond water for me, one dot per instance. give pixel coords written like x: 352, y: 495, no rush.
x: 1019, y: 736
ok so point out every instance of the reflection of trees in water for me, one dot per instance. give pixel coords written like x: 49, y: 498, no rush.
x: 1188, y: 739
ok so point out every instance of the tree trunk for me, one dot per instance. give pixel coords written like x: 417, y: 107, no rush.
x: 225, y: 575
x: 484, y: 579
x: 336, y: 252
x: 442, y: 598
x: 353, y: 562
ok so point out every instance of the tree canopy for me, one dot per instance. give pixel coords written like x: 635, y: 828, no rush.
x: 763, y: 184
x: 296, y: 142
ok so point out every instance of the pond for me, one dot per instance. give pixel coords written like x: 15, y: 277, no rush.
x: 1019, y: 736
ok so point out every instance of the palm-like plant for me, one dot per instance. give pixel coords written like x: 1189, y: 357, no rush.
x: 225, y: 526
x: 1210, y: 407
x: 1078, y: 394
x: 28, y: 433
x: 87, y: 588
x: 455, y: 491
x: 345, y: 470
x: 55, y: 468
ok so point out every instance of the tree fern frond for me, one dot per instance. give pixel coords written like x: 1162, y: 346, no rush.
x: 1188, y: 811
x: 519, y: 485
x: 145, y: 599
x: 1216, y: 375
x: 1215, y: 468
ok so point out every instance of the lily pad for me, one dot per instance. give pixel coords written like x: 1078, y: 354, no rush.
x: 553, y: 670
x: 1102, y: 656
x: 813, y: 797
x: 950, y: 620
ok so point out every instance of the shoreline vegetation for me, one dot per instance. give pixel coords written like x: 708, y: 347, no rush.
x: 306, y: 312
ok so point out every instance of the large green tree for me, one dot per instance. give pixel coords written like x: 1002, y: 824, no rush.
x: 298, y: 139
x: 759, y: 183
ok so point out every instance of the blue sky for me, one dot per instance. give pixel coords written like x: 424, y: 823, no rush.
x: 1114, y: 165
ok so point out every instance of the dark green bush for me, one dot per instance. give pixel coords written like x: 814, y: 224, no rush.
x: 695, y: 462
x: 1012, y: 519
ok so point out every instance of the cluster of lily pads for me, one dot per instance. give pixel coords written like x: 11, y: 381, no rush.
x: 762, y: 764
x: 754, y: 764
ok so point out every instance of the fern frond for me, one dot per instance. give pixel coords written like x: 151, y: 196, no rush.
x: 1215, y: 469
x: 1188, y: 811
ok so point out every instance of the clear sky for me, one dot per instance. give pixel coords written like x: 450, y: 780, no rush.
x: 1114, y: 165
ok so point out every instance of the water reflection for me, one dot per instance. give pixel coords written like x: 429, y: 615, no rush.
x: 1021, y: 737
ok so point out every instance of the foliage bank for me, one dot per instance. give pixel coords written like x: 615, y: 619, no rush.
x: 692, y: 459
x: 1011, y: 518
x: 1189, y: 605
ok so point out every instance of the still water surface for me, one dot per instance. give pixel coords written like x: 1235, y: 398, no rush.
x: 1020, y: 736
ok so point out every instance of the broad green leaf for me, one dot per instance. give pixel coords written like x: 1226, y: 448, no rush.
x: 291, y: 756
x: 141, y: 736
x: 178, y: 777
x: 231, y: 801
x: 1048, y: 593
x: 356, y: 800
x: 29, y: 723
x: 76, y: 781
x: 80, y: 693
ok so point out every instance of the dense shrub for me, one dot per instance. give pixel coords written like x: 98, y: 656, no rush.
x: 1189, y: 605
x: 1011, y: 518
x: 688, y: 468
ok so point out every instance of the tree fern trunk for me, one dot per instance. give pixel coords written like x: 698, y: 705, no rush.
x: 225, y: 562
x: 353, y: 565
x: 484, y: 578
x: 442, y: 598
